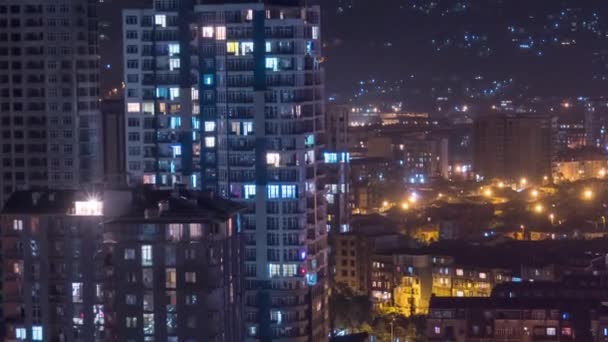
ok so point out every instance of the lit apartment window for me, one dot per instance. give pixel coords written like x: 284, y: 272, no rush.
x: 249, y: 190
x: 288, y: 191
x: 207, y: 31
x: 173, y: 93
x: 246, y: 48
x: 149, y: 179
x: 160, y: 20
x: 274, y: 270
x: 174, y: 232
x: 149, y: 108
x: 272, y: 63
x: 21, y: 334
x: 174, y: 50
x: 459, y: 272
x: 196, y: 231
x: 232, y: 48
x: 249, y: 15
x: 220, y: 33
x: 208, y: 79
x: 209, y: 126
x: 289, y: 270
x: 170, y: 278
x: 131, y: 322
x: 268, y: 47
x: 209, y: 142
x: 315, y: 32
x: 37, y: 333
x: 273, y: 159
x: 146, y: 255
x: 194, y: 94
x: 133, y: 107
x: 148, y: 324
x: 273, y: 191
x: 177, y: 150
x: 247, y: 128
x: 18, y: 225
x: 174, y: 64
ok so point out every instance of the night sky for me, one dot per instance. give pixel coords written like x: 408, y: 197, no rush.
x: 417, y: 50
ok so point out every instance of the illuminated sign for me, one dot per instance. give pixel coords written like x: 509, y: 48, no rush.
x: 89, y: 208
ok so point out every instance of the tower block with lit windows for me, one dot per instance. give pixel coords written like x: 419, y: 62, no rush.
x: 227, y: 97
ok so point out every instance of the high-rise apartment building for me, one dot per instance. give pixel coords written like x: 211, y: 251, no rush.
x: 49, y: 117
x: 514, y: 146
x: 121, y: 266
x: 227, y: 96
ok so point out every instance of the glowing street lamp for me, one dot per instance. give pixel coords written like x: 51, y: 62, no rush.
x: 501, y: 185
x: 602, y: 173
x: 538, y: 208
x: 385, y: 204
x: 535, y: 193
x: 552, y: 218
x: 487, y: 192
x: 588, y: 194
x: 405, y: 206
x: 523, y: 182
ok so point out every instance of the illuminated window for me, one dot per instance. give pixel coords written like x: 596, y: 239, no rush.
x: 268, y: 47
x: 149, y: 179
x: 247, y: 128
x: 170, y: 278
x: 246, y: 48
x: 160, y: 20
x: 209, y: 142
x: 133, y: 107
x: 315, y: 32
x: 173, y: 93
x: 273, y: 159
x: 482, y: 275
x: 177, y: 150
x: 273, y: 191
x: 148, y: 108
x: 18, y: 225
x: 220, y: 33
x: 21, y: 333
x: 290, y: 270
x: 208, y: 79
x: 274, y: 270
x: 146, y: 255
x: 76, y: 292
x: 459, y: 272
x: 551, y: 331
x: 174, y: 64
x: 288, y: 191
x: 174, y: 50
x: 208, y: 32
x: 37, y: 333
x: 196, y: 231
x: 209, y: 126
x: 232, y: 48
x: 194, y: 94
x: 89, y: 208
x: 272, y: 63
x: 249, y: 15
x: 437, y: 330
x: 148, y: 327
x: 174, y: 232
x: 249, y: 190
x: 131, y: 322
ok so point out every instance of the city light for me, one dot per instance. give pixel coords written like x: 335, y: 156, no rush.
x: 538, y: 208
x: 552, y: 218
x: 487, y: 192
x: 587, y: 194
x: 534, y: 193
x: 523, y: 182
x: 413, y: 198
x: 385, y: 204
x: 405, y: 206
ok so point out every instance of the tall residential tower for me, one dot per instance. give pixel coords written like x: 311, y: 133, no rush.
x: 49, y: 75
x: 227, y: 96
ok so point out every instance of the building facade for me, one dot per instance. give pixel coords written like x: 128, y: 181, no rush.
x: 514, y: 146
x: 49, y: 85
x: 228, y: 97
x: 121, y: 266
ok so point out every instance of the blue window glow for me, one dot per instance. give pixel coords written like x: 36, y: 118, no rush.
x: 273, y: 191
x: 330, y: 158
x: 309, y: 47
x: 208, y: 79
x: 605, y: 331
x: 162, y: 92
x: 194, y: 181
x: 311, y: 279
x: 310, y: 140
x: 177, y: 150
x: 176, y: 122
x: 196, y: 123
x: 288, y: 191
x: 249, y: 190
x: 272, y: 63
x: 566, y: 316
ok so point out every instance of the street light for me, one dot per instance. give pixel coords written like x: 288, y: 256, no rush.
x: 487, y: 192
x: 538, y: 208
x: 385, y: 204
x: 588, y: 194
x: 405, y: 206
x: 535, y: 193
x: 552, y: 218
